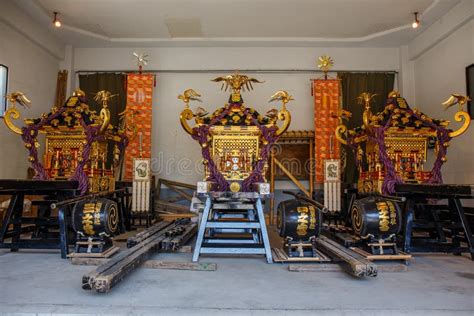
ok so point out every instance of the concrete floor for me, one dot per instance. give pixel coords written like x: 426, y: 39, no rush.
x: 41, y: 282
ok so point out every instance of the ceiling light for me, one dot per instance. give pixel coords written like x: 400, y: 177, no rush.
x: 415, y: 23
x: 56, y: 21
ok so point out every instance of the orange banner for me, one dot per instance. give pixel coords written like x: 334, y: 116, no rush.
x: 326, y: 102
x: 139, y: 100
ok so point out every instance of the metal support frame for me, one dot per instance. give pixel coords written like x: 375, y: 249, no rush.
x: 210, y: 238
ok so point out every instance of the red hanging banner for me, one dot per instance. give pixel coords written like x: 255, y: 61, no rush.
x: 139, y: 100
x: 326, y: 103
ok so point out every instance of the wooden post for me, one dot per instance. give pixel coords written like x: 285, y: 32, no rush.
x: 292, y: 178
x: 311, y: 167
x: 272, y: 187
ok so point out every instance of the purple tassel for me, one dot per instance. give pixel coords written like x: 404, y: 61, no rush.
x: 28, y: 136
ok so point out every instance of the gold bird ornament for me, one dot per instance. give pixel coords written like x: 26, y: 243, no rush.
x: 18, y: 97
x: 281, y: 96
x: 458, y: 99
x: 104, y: 96
x: 237, y: 82
x: 365, y: 98
x: 189, y: 95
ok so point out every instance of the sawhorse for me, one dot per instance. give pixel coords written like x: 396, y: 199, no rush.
x: 224, y: 218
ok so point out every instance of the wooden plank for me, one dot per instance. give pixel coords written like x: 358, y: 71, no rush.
x: 153, y: 264
x: 279, y: 255
x: 161, y: 204
x: 141, y: 236
x: 170, y: 217
x: 78, y: 261
x: 106, y: 254
x: 161, y: 211
x: 173, y: 199
x: 194, y: 266
x: 392, y: 267
x: 105, y: 276
x: 182, y: 239
x: 352, y: 262
x: 178, y: 184
x: 328, y: 267
x: 292, y: 178
x: 400, y: 256
x: 181, y: 192
x: 323, y: 267
x: 185, y: 249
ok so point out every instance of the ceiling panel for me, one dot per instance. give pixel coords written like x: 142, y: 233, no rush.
x: 239, y: 18
x: 92, y: 23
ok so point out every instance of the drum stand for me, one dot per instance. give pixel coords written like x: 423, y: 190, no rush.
x: 383, y: 246
x: 92, y: 244
x: 233, y: 224
x: 300, y: 248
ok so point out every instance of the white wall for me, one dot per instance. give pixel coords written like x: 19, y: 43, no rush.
x: 440, y: 71
x: 32, y: 70
x: 175, y: 149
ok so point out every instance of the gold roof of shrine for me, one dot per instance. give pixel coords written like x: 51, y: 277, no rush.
x: 68, y: 118
x: 399, y: 120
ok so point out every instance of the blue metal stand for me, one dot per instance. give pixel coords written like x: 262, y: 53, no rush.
x: 223, y: 218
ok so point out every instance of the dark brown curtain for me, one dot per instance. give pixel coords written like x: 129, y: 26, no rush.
x: 352, y: 85
x: 116, y: 84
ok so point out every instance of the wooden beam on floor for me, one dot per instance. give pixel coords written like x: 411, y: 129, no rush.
x: 185, y: 249
x: 153, y: 264
x: 194, y: 266
x: 329, y: 267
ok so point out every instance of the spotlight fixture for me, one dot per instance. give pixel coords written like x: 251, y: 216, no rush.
x: 56, y: 21
x: 416, y: 23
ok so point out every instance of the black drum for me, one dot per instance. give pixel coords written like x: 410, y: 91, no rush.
x: 96, y: 217
x: 298, y: 220
x: 377, y: 216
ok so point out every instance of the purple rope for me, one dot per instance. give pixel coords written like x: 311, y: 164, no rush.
x: 442, y: 134
x: 29, y: 134
x: 268, y: 134
x: 92, y: 135
x: 391, y: 178
x: 29, y: 137
x: 201, y: 135
x: 79, y: 174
